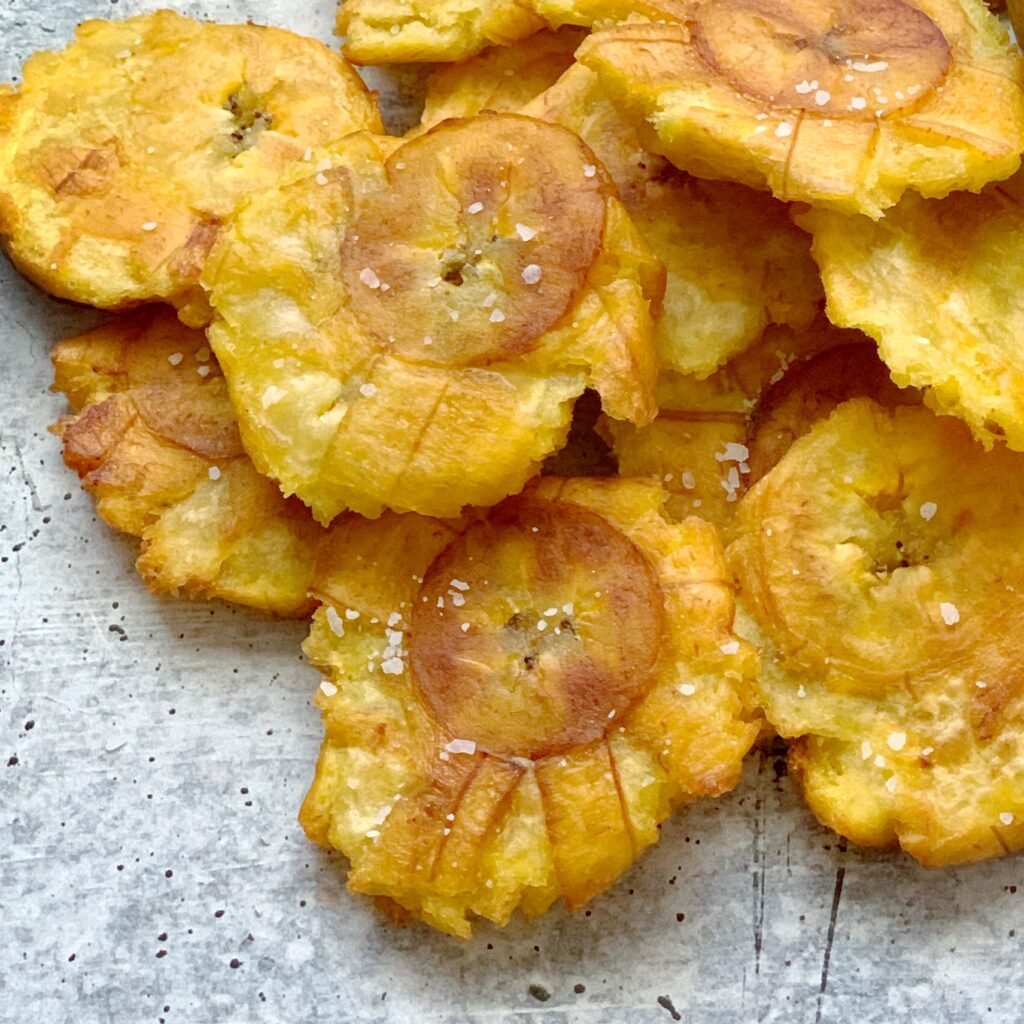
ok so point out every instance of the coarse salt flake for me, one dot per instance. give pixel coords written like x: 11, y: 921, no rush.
x: 497, y: 316
x: 460, y: 747
x: 928, y: 510
x: 392, y: 667
x: 150, y: 225
x: 897, y: 740
x: 369, y: 278
x: 328, y: 689
x: 175, y: 358
x: 525, y: 233
x: 531, y: 273
x: 687, y: 689
x: 351, y: 614
x: 783, y: 130
x: 368, y: 390
x: 334, y: 621
x: 950, y: 613
x: 589, y: 170
x: 213, y: 472
x: 474, y: 208
x: 1006, y: 818
x: 733, y: 452
x: 732, y: 647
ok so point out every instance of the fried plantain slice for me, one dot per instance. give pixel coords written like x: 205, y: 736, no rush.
x: 501, y: 78
x: 881, y: 568
x: 123, y: 152
x: 515, y: 701
x: 735, y: 262
x: 714, y: 437
x: 843, y: 104
x: 937, y: 285
x: 410, y: 330
x: 412, y: 31
x: 155, y: 441
x: 809, y: 390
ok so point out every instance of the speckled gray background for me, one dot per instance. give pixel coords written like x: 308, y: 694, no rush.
x: 153, y: 755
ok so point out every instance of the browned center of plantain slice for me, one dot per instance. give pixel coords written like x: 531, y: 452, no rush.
x: 540, y: 626
x: 480, y: 244
x: 837, y: 58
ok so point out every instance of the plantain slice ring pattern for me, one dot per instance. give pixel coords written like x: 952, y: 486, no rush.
x: 515, y: 701
x: 122, y: 154
x: 410, y: 326
x: 881, y: 572
x: 843, y: 104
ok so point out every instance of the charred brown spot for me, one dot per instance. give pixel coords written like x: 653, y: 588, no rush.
x: 575, y: 647
x: 78, y: 170
x: 187, y: 262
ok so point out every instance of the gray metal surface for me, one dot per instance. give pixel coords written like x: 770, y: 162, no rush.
x: 153, y: 755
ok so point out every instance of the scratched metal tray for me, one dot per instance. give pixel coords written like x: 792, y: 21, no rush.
x: 153, y: 755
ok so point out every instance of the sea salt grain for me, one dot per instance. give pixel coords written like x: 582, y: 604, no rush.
x: 928, y: 510
x: 460, y: 747
x: 950, y: 613
x: 531, y: 274
x: 334, y: 621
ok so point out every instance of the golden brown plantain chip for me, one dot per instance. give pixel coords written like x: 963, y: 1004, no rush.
x: 714, y: 437
x: 501, y: 78
x: 843, y: 104
x: 411, y: 31
x: 938, y: 285
x: 735, y: 263
x: 515, y: 701
x: 409, y: 327
x: 881, y: 568
x: 155, y: 441
x: 123, y: 153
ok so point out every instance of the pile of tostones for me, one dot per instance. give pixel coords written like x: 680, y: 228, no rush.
x: 656, y: 394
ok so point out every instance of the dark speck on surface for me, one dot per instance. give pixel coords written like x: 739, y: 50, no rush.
x: 666, y: 1003
x: 540, y: 993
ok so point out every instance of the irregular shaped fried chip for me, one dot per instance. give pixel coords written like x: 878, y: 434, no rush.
x: 410, y: 330
x: 155, y: 441
x: 412, y: 31
x: 809, y: 390
x: 937, y: 284
x: 501, y: 78
x: 735, y: 263
x: 844, y: 104
x: 881, y: 565
x: 514, y: 702
x: 124, y: 152
x: 710, y: 433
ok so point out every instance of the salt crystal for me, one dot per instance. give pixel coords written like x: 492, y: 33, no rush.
x: 334, y: 621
